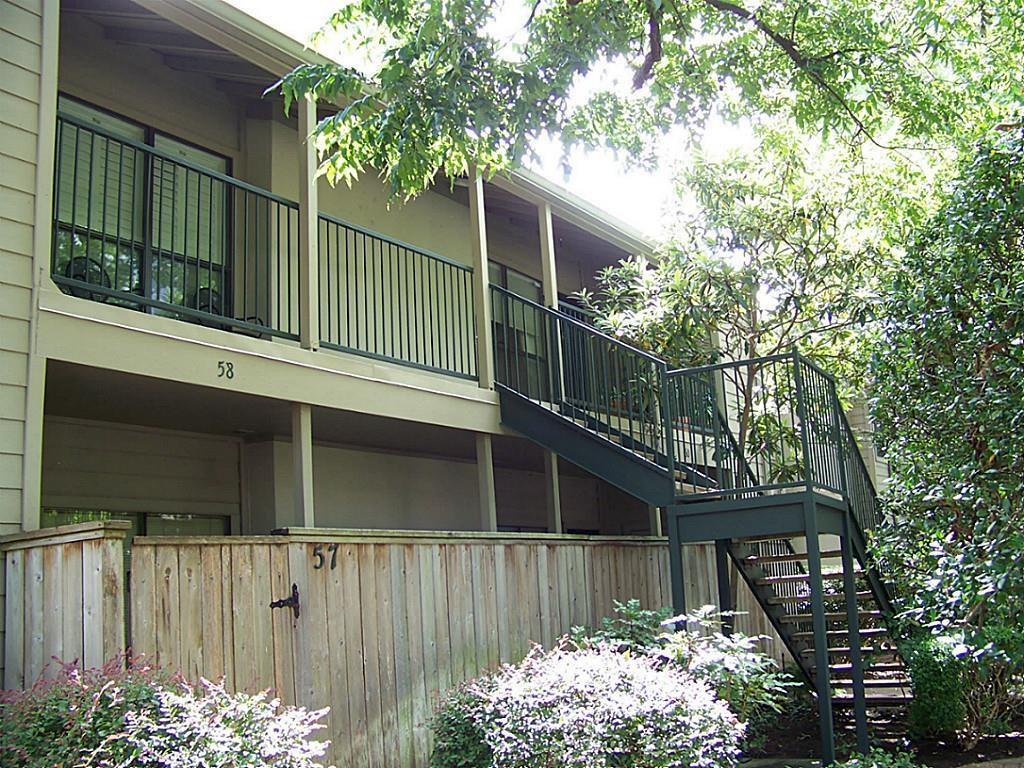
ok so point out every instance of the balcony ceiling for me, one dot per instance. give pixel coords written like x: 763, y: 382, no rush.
x: 132, y: 25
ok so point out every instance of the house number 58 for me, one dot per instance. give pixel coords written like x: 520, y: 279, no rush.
x: 225, y: 370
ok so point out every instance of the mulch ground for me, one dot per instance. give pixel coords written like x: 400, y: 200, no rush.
x: 795, y: 735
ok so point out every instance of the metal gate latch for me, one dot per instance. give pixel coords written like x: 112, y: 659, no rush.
x: 289, y: 602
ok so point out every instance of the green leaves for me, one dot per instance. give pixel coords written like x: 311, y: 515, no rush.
x: 448, y: 90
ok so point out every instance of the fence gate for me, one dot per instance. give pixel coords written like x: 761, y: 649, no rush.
x: 385, y: 621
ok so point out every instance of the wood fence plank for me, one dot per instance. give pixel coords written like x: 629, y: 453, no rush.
x: 456, y: 589
x: 190, y: 613
x: 53, y: 608
x: 14, y: 620
x: 242, y: 607
x: 501, y: 602
x: 543, y: 601
x: 386, y: 651
x: 371, y: 657
x: 315, y: 674
x: 212, y: 626
x: 143, y: 604
x: 263, y: 619
x: 336, y: 621
x: 227, y: 603
x: 71, y: 603
x: 282, y: 625
x: 348, y: 564
x: 418, y: 693
x: 112, y: 554
x: 168, y: 639
x: 401, y: 631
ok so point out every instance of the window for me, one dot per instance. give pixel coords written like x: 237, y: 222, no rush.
x: 115, y: 197
x: 143, y: 523
x: 525, y: 363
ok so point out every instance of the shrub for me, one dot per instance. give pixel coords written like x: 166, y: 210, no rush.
x: 459, y: 740
x: 937, y: 679
x: 597, y: 707
x: 140, y: 718
x: 631, y: 628
x: 62, y: 720
x: 751, y: 682
x: 879, y: 758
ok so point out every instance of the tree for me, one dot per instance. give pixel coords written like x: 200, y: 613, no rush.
x: 782, y: 250
x: 950, y: 406
x: 436, y: 89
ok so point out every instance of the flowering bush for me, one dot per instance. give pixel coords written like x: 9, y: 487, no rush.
x: 138, y: 718
x: 596, y: 707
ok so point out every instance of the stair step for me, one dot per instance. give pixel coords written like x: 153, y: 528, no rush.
x: 798, y: 578
x: 869, y: 683
x: 779, y: 599
x: 865, y: 632
x: 790, y: 558
x: 844, y: 650
x: 796, y: 618
x: 885, y: 666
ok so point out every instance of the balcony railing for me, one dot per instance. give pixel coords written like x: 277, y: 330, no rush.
x: 136, y: 227
x: 388, y: 300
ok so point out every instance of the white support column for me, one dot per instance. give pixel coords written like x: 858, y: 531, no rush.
x: 550, y: 284
x: 552, y: 492
x: 656, y: 527
x: 302, y: 459
x: 309, y: 290
x: 485, y: 481
x: 481, y: 281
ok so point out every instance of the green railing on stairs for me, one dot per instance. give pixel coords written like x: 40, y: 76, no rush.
x: 737, y: 429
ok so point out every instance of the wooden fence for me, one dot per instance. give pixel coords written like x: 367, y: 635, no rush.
x: 65, y: 598
x: 386, y: 622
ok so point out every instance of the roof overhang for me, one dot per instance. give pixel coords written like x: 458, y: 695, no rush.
x: 249, y: 38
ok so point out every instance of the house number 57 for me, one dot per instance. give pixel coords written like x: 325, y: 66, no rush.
x: 225, y: 370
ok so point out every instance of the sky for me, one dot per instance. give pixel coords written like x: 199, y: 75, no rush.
x: 637, y: 197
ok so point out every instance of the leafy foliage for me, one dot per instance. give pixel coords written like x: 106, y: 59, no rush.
x: 741, y: 675
x: 880, y: 758
x: 937, y: 676
x: 138, y: 717
x: 459, y: 739
x: 632, y: 628
x: 429, y: 86
x: 949, y: 407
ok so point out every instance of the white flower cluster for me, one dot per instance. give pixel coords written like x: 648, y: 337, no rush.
x: 218, y: 729
x: 598, y: 708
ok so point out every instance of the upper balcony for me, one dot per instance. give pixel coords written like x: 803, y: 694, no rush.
x: 178, y: 194
x: 150, y: 228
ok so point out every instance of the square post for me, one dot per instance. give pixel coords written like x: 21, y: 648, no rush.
x: 725, y: 604
x: 481, y: 281
x: 302, y: 462
x: 853, y: 623
x: 485, y: 482
x: 675, y: 563
x: 821, y: 659
x: 550, y: 287
x: 309, y: 249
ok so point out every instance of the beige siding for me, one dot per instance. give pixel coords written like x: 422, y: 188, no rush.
x: 21, y: 36
x: 128, y: 469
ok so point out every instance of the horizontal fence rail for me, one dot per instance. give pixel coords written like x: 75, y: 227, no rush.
x: 391, y: 301
x: 561, y: 363
x: 138, y: 227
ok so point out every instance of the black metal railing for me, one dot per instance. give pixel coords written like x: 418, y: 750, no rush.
x: 768, y: 425
x: 735, y: 429
x: 137, y: 227
x: 388, y: 300
x: 603, y: 385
